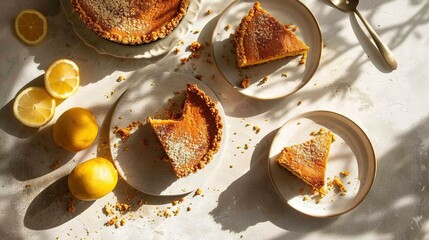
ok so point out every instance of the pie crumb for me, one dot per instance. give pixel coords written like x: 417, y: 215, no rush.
x: 195, y: 46
x: 245, y: 83
x: 71, y: 208
x: 198, y: 192
x: 340, y: 185
x: 120, y: 79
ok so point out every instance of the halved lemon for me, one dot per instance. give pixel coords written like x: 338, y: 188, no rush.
x: 31, y: 26
x: 62, y: 78
x: 34, y: 107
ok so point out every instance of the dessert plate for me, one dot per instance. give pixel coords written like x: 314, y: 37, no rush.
x: 285, y: 76
x: 149, y: 50
x: 140, y: 158
x: 351, y: 151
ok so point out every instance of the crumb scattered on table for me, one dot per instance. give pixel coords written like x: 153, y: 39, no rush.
x: 120, y: 79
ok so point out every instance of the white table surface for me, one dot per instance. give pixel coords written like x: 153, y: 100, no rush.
x: 239, y: 202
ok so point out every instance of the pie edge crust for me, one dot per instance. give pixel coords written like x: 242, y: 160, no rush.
x: 162, y: 32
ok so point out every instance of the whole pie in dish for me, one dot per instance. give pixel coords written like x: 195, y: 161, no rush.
x: 261, y: 38
x: 308, y: 160
x: 131, y: 21
x: 191, y: 140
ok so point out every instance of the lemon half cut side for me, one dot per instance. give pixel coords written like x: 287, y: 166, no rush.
x: 34, y: 107
x: 62, y: 78
x: 31, y: 26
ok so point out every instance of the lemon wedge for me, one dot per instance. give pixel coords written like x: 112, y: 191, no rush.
x: 34, y: 107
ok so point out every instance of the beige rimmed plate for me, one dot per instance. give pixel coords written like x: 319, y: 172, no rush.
x: 278, y: 84
x: 139, y: 159
x: 351, y: 151
x: 149, y: 50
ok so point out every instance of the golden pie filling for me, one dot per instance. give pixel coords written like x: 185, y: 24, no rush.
x: 131, y: 22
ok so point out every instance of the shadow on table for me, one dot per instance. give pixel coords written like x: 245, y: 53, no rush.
x: 365, y: 40
x: 251, y: 199
x: 396, y: 205
x: 9, y: 123
x: 392, y: 206
x: 48, y: 209
x: 30, y: 164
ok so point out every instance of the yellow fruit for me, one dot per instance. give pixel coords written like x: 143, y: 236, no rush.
x: 34, y: 107
x: 75, y: 129
x: 31, y: 26
x: 62, y: 78
x: 93, y: 179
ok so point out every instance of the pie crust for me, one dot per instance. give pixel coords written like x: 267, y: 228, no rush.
x: 131, y: 22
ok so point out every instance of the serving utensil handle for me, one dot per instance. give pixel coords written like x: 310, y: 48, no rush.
x: 384, y: 50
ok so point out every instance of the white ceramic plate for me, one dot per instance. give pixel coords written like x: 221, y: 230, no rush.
x: 138, y: 159
x: 287, y: 12
x: 351, y: 151
x: 149, y: 50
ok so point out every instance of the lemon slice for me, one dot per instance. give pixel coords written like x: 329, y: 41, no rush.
x: 34, y: 107
x: 62, y: 78
x: 31, y: 26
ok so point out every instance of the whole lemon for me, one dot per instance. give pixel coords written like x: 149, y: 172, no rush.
x: 93, y: 179
x: 75, y: 129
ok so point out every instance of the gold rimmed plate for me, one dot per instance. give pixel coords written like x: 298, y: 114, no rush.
x: 148, y: 50
x: 139, y: 159
x: 351, y: 152
x: 284, y: 76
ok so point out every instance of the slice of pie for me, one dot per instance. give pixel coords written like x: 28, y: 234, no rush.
x: 261, y: 38
x: 191, y: 140
x: 131, y: 22
x: 308, y: 160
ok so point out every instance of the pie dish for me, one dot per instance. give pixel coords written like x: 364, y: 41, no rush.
x: 140, y: 159
x: 261, y: 38
x: 131, y: 22
x: 142, y: 51
x: 308, y: 160
x: 191, y: 140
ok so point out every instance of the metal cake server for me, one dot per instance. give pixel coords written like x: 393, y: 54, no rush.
x: 350, y: 5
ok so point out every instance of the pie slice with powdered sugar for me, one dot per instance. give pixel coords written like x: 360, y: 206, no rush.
x: 191, y: 140
x: 308, y: 160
